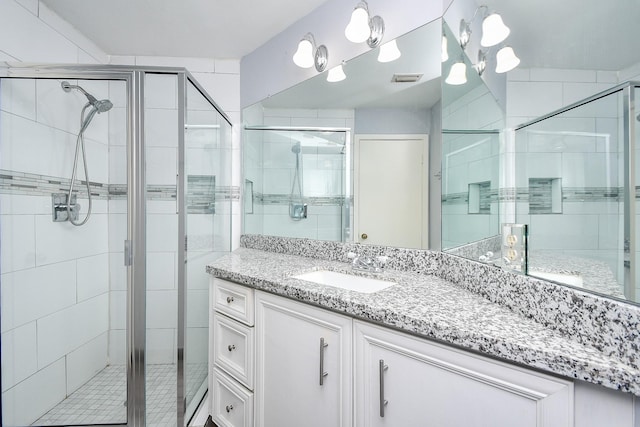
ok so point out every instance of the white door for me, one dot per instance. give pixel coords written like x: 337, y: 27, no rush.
x: 291, y: 390
x: 390, y: 197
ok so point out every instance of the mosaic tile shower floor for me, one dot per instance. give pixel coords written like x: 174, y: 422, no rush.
x: 102, y: 399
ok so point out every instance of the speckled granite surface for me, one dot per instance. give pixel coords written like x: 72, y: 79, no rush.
x: 461, y: 302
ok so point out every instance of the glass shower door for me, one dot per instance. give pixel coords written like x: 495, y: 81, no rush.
x: 207, y: 194
x: 63, y: 345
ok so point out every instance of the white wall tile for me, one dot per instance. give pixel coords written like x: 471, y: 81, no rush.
x: 68, y: 329
x: 19, y: 355
x: 18, y: 242
x: 25, y: 37
x: 161, y: 164
x: 117, y: 272
x: 161, y: 346
x: 118, y: 310
x: 563, y: 232
x: 562, y: 75
x: 227, y: 66
x: 117, y: 231
x: 161, y: 127
x: 162, y: 232
x: 86, y: 361
x: 18, y: 96
x: 161, y: 91
x: 533, y: 98
x: 162, y: 309
x: 161, y: 270
x: 117, y: 347
x: 32, y: 398
x: 30, y: 294
x: 197, y: 308
x: 92, y: 276
x: 62, y: 241
x: 223, y: 88
x: 198, y: 345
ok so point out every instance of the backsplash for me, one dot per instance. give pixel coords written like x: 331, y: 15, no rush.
x: 610, y: 326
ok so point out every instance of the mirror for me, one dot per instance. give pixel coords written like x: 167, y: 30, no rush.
x: 560, y: 158
x: 325, y: 160
x: 511, y: 168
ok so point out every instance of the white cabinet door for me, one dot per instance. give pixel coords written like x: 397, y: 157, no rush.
x: 405, y: 381
x: 303, y: 372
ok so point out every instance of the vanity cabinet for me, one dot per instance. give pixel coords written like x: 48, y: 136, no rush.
x: 303, y: 372
x: 232, y: 352
x: 401, y: 380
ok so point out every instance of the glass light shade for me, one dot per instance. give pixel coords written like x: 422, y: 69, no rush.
x: 303, y: 57
x: 389, y: 52
x: 493, y: 30
x: 336, y: 74
x: 506, y: 60
x: 445, y: 50
x: 358, y: 31
x: 457, y: 74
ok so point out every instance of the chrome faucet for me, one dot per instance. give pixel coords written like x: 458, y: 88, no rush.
x: 365, y: 263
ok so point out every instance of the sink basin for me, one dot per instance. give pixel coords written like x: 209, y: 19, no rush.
x: 349, y: 282
x: 567, y: 279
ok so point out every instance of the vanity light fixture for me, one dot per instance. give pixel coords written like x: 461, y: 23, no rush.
x: 307, y: 55
x: 389, y: 52
x: 336, y: 74
x: 445, y: 50
x: 494, y: 30
x: 457, y: 74
x: 481, y: 65
x: 506, y: 60
x: 362, y: 28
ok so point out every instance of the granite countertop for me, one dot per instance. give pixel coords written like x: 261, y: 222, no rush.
x: 434, y: 308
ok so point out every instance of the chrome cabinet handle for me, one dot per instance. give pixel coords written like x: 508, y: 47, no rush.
x: 229, y: 300
x: 383, y: 402
x: 323, y: 374
x: 231, y: 347
x: 229, y: 408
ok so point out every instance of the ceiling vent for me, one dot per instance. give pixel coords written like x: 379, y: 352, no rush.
x: 406, y: 78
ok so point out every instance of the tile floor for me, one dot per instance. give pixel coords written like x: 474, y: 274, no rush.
x: 102, y: 399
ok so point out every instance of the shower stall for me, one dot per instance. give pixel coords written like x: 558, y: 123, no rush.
x: 115, y: 193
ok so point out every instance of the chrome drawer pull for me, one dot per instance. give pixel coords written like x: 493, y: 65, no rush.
x: 232, y: 347
x: 229, y: 408
x: 383, y: 402
x: 323, y: 374
x: 229, y: 300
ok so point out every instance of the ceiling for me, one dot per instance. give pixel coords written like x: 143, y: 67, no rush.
x: 221, y: 29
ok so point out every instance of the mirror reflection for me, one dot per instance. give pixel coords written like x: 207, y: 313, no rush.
x: 362, y: 170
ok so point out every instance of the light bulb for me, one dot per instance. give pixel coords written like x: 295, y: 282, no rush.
x: 389, y: 52
x: 493, y: 30
x: 303, y: 57
x: 358, y: 31
x: 506, y: 60
x: 445, y: 50
x: 457, y: 74
x: 336, y: 74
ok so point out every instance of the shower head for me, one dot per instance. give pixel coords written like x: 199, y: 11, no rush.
x: 101, y: 106
x: 295, y: 148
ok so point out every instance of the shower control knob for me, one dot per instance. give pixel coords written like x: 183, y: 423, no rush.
x: 229, y: 300
x: 364, y: 236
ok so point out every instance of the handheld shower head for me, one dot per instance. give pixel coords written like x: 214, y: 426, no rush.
x: 101, y: 106
x: 295, y: 148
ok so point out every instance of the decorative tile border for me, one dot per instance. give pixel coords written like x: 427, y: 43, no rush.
x: 199, y: 198
x: 284, y: 199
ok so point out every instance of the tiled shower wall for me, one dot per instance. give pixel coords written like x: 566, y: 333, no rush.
x: 582, y: 148
x: 270, y: 165
x: 53, y: 274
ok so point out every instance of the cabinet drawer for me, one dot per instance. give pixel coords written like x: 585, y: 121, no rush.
x: 232, y: 404
x: 233, y: 349
x: 234, y: 300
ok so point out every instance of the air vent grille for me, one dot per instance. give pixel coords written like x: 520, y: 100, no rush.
x: 406, y: 78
